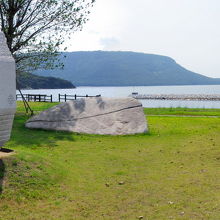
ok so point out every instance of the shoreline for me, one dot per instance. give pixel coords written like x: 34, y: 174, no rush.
x: 188, y: 97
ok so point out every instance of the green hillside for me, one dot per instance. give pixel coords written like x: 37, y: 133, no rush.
x: 31, y: 81
x: 101, y: 68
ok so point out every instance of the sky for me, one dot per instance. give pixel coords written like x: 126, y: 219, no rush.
x: 185, y: 30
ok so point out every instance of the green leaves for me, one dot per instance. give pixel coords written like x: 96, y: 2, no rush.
x: 40, y: 27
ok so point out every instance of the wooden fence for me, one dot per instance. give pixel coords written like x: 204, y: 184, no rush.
x: 35, y: 97
x: 49, y: 98
x: 66, y: 97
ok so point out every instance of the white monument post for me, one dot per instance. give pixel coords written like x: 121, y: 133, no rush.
x: 7, y: 91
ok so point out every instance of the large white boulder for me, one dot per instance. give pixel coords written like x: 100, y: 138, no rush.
x: 93, y: 116
x: 7, y: 91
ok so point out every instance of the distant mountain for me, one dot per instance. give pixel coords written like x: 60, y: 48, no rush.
x: 31, y: 81
x: 101, y: 68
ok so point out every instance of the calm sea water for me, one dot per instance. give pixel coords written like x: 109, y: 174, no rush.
x: 126, y: 91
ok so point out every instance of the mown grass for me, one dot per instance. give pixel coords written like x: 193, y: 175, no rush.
x: 182, y: 111
x: 36, y: 106
x: 170, y: 173
x: 148, y: 111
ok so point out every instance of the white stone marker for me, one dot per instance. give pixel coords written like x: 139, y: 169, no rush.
x: 7, y: 91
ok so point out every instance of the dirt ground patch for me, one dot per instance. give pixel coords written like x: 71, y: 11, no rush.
x: 5, y: 152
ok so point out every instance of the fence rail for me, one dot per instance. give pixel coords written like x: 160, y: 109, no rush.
x: 66, y: 97
x: 35, y: 97
x: 50, y: 98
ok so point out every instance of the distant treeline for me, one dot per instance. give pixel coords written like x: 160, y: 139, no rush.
x: 31, y: 81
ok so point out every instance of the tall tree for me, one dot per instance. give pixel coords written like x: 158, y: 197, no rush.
x: 36, y: 29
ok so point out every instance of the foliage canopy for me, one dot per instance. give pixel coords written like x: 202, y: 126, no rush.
x: 34, y: 27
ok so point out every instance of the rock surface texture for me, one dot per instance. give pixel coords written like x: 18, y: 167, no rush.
x: 7, y: 91
x: 93, y: 116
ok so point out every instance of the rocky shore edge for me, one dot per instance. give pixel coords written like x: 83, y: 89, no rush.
x: 189, y: 97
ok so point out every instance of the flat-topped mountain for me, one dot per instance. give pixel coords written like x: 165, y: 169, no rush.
x: 102, y: 68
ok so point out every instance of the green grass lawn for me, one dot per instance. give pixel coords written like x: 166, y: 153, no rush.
x: 170, y: 173
x: 182, y: 111
x: 36, y: 106
x: 148, y: 111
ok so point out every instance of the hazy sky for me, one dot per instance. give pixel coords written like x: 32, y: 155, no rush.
x: 186, y: 30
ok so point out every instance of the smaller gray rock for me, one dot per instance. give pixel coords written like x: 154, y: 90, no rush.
x: 94, y: 116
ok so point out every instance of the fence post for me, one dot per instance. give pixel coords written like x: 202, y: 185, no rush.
x: 51, y: 98
x: 59, y: 97
x: 86, y: 95
x: 65, y: 97
x: 75, y: 96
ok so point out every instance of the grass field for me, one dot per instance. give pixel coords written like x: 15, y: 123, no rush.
x: 148, y: 111
x: 182, y: 111
x: 170, y: 173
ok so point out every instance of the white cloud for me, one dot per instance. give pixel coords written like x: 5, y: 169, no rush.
x: 110, y: 43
